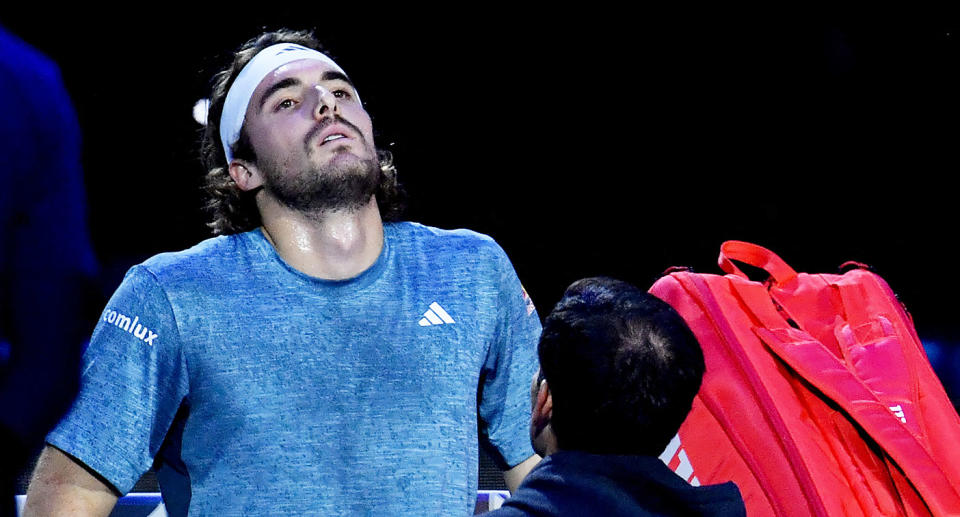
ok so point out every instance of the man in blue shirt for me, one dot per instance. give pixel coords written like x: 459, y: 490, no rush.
x: 619, y: 371
x: 315, y: 358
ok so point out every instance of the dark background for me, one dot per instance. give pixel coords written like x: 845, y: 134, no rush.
x: 586, y: 143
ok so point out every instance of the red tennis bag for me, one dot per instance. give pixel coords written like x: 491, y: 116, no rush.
x: 818, y: 398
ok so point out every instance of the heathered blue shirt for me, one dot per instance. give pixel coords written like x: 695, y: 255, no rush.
x: 301, y: 396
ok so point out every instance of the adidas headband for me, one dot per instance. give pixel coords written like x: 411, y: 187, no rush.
x: 238, y: 96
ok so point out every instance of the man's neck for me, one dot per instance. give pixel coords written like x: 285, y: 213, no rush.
x: 333, y: 246
x: 545, y: 441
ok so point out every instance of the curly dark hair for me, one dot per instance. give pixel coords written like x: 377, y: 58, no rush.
x: 234, y: 210
x: 622, y: 366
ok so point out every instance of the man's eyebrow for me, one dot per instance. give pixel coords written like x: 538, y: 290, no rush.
x: 279, y: 85
x: 333, y: 75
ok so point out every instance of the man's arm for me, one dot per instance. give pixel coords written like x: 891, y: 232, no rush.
x: 61, y: 486
x: 514, y: 476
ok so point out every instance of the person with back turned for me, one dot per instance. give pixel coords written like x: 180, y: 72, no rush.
x: 619, y: 369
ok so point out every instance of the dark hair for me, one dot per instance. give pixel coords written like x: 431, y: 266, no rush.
x: 234, y: 210
x: 622, y: 366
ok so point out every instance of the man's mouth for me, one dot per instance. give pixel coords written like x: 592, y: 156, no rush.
x: 335, y: 136
x: 330, y: 130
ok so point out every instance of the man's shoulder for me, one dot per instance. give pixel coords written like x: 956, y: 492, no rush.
x: 25, y: 63
x: 208, y: 257
x: 435, y: 239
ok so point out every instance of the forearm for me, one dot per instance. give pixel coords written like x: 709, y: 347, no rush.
x: 60, y: 486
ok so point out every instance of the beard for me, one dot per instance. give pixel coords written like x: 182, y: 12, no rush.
x: 345, y: 185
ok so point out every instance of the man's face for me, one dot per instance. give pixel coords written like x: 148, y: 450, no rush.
x: 312, y: 138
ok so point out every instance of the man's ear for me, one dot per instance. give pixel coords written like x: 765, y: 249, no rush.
x: 542, y: 438
x: 543, y: 409
x: 245, y: 174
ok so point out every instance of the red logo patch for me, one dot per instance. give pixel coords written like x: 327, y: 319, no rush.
x: 528, y: 300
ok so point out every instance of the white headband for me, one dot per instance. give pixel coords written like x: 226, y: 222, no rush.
x: 238, y: 97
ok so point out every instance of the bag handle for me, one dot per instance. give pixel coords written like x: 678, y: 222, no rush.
x: 756, y: 256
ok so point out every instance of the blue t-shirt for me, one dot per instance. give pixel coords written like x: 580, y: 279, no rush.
x: 301, y: 396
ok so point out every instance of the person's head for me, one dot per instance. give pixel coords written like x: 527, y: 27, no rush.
x: 619, y: 371
x: 285, y: 119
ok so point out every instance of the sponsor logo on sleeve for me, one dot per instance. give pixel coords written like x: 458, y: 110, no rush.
x: 131, y: 325
x: 528, y: 301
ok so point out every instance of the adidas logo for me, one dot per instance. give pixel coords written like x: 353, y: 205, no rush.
x: 435, y: 315
x: 675, y: 457
x: 898, y: 412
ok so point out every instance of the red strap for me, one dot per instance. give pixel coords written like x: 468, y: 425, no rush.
x: 756, y: 256
x: 677, y: 269
x: 853, y: 264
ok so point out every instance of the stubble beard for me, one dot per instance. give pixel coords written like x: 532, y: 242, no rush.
x: 345, y: 185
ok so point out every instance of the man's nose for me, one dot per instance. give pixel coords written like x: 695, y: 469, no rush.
x: 326, y: 102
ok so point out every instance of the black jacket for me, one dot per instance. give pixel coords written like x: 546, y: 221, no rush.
x: 578, y: 483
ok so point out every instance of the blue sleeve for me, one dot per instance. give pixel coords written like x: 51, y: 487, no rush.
x: 508, y: 370
x: 134, y: 379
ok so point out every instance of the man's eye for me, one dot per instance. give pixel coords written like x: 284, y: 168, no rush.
x: 286, y: 104
x: 341, y: 94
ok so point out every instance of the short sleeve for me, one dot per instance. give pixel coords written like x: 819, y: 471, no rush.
x: 508, y: 370
x: 134, y: 379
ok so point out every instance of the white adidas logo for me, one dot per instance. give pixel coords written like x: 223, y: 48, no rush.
x: 435, y: 315
x: 898, y: 412
x: 675, y: 457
